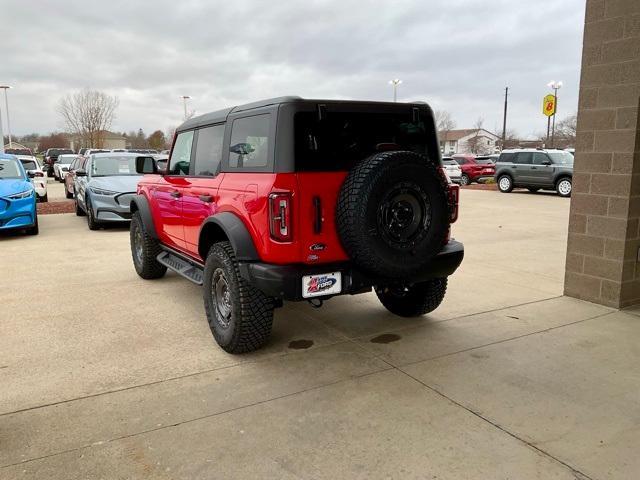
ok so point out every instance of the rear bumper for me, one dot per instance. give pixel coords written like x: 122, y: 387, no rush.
x: 285, y: 281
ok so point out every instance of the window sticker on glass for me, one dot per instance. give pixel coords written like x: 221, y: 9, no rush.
x: 123, y: 167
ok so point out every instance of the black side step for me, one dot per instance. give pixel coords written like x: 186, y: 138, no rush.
x: 188, y: 270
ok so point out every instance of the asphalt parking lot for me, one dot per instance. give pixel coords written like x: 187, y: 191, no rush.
x: 104, y: 375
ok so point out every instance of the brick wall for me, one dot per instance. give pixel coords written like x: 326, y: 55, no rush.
x: 604, y: 224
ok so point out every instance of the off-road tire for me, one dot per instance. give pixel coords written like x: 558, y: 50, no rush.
x: 417, y: 299
x: 505, y: 183
x: 251, y: 311
x: 91, y: 220
x: 465, y: 180
x: 561, y: 191
x: 371, y: 231
x: 146, y: 264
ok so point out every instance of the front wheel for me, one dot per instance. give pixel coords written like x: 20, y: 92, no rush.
x: 464, y: 179
x: 67, y: 193
x: 144, y: 250
x: 79, y: 211
x: 239, y: 315
x: 45, y: 198
x: 33, y: 230
x: 505, y: 184
x: 91, y: 218
x: 413, y: 300
x: 563, y: 187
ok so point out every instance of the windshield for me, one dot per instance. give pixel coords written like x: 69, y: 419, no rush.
x: 113, y: 165
x: 66, y: 159
x: 9, y: 169
x: 29, y: 164
x: 561, y: 158
x: 343, y: 138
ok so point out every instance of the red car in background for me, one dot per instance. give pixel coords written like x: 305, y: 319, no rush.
x: 474, y: 169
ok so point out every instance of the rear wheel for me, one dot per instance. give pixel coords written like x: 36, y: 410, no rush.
x: 505, y: 183
x: 414, y: 300
x: 464, y: 179
x: 240, y: 316
x: 144, y: 250
x: 564, y: 186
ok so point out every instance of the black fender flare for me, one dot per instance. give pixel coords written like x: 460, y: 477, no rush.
x: 139, y: 203
x: 227, y: 226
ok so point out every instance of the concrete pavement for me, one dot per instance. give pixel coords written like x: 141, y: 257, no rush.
x: 110, y: 376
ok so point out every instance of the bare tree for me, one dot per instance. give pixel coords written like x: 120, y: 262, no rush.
x: 474, y: 144
x: 566, y: 131
x: 444, y: 122
x: 88, y: 114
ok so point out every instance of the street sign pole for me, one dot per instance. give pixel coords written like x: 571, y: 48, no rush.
x: 548, y: 131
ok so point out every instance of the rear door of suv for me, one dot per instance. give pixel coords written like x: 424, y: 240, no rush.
x: 542, y: 170
x: 521, y: 168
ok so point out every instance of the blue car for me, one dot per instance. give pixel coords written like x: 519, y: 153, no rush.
x: 17, y: 197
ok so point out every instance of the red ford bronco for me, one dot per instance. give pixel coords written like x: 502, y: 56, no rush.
x: 294, y: 199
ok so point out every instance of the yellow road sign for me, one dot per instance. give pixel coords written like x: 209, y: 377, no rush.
x: 549, y: 105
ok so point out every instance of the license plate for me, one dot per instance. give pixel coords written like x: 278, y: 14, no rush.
x: 321, y: 284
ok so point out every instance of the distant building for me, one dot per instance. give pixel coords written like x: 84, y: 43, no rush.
x: 108, y: 139
x: 479, y: 141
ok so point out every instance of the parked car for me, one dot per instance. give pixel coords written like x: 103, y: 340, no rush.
x: 51, y: 157
x: 301, y: 200
x: 105, y: 187
x: 452, y: 168
x: 492, y: 157
x: 142, y: 150
x: 474, y: 169
x: 61, y: 167
x: 38, y: 178
x: 17, y: 197
x: 535, y: 170
x: 69, y: 179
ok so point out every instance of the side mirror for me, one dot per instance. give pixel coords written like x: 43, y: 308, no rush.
x: 546, y: 162
x: 81, y: 172
x: 146, y: 165
x: 31, y: 173
x: 241, y: 148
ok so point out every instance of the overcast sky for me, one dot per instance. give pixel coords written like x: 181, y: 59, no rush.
x: 457, y: 55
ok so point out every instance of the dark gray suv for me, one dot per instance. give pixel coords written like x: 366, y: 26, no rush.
x: 535, y: 170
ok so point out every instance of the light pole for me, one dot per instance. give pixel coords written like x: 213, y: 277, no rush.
x: 395, y: 82
x: 184, y: 101
x: 6, y: 105
x: 555, y: 86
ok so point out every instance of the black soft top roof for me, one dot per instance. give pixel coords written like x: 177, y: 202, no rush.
x: 221, y: 115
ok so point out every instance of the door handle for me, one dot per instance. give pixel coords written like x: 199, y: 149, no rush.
x: 206, y: 198
x: 175, y: 194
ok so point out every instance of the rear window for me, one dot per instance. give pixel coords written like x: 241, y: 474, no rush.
x: 449, y: 162
x: 29, y: 164
x: 59, y: 151
x: 340, y: 140
x: 484, y: 161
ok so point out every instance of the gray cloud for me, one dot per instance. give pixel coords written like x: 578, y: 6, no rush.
x: 457, y: 55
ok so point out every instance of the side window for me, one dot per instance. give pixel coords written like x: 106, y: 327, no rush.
x: 539, y: 158
x: 506, y: 157
x: 208, y: 150
x: 181, y: 154
x: 524, y: 158
x: 249, y: 145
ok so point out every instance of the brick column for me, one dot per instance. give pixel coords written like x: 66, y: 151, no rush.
x: 604, y: 223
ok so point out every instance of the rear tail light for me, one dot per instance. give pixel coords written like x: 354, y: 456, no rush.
x: 445, y: 174
x: 453, y: 198
x: 280, y: 216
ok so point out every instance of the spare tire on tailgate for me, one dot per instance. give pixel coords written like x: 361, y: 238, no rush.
x: 392, y: 214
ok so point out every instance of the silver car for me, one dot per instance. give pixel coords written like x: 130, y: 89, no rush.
x: 105, y: 187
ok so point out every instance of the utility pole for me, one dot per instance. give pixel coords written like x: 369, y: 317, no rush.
x: 504, y: 118
x: 395, y: 82
x: 1, y: 134
x: 6, y: 105
x: 184, y: 100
